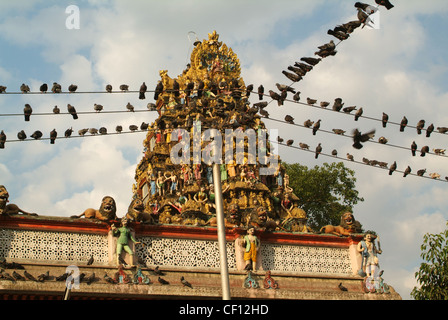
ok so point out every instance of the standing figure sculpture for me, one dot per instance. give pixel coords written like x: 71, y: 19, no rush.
x: 251, y: 244
x: 369, y: 263
x: 124, y: 235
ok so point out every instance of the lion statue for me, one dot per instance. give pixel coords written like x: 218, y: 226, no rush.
x: 107, y: 211
x: 347, y: 226
x: 136, y: 212
x: 231, y: 220
x: 260, y: 220
x: 10, y: 209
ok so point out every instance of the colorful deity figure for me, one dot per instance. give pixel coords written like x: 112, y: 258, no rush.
x: 369, y: 255
x: 124, y: 234
x: 139, y: 277
x: 251, y: 243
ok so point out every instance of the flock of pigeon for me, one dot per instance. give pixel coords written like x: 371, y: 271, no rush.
x: 295, y: 73
x: 82, y: 277
x: 56, y: 88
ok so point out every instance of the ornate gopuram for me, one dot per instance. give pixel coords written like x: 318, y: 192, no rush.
x: 166, y: 245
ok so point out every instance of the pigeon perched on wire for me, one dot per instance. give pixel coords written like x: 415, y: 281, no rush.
x: 27, y: 111
x: 24, y: 88
x: 53, y: 136
x: 260, y: 92
x: 56, y: 88
x: 407, y: 171
x: 294, y: 77
x: 348, y: 109
x: 142, y: 91
x: 310, y: 60
x: 2, y: 139
x: 43, y: 88
x: 158, y: 90
x: 384, y: 120
x: 338, y: 104
x: 310, y: 101
x: 68, y: 132
x: 56, y: 110
x: 37, y: 135
x: 403, y: 124
x: 3, y: 89
x: 420, y: 126
x: 308, y: 123
x: 71, y: 109
x: 130, y: 107
x: 21, y: 135
x: 359, y: 138
x: 429, y: 130
x: 72, y: 88
x: 392, y: 168
x: 424, y: 151
x: 109, y: 88
x: 324, y: 104
x: 304, y: 146
x: 413, y: 148
x: 318, y: 150
x: 316, y: 127
x: 124, y: 87
x: 421, y: 172
x: 97, y: 107
x: 275, y: 96
x: 289, y: 119
x: 358, y: 114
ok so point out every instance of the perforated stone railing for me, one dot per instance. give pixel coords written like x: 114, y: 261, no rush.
x: 43, y: 245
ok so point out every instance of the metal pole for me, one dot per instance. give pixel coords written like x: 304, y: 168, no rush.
x: 221, y: 232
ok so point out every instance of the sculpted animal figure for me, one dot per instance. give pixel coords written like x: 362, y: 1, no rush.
x: 106, y: 212
x: 136, y: 212
x: 232, y: 219
x: 347, y: 226
x: 10, y: 209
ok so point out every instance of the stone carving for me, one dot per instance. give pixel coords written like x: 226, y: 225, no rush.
x: 124, y: 235
x: 347, y: 226
x: 10, y: 209
x: 136, y: 212
x: 106, y: 212
x: 269, y: 282
x: 251, y: 245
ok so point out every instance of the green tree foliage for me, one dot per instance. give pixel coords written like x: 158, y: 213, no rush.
x: 433, y: 273
x: 325, y: 192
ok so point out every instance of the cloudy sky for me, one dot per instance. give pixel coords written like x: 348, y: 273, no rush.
x: 401, y: 68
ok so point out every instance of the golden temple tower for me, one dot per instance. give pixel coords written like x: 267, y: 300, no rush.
x: 211, y: 95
